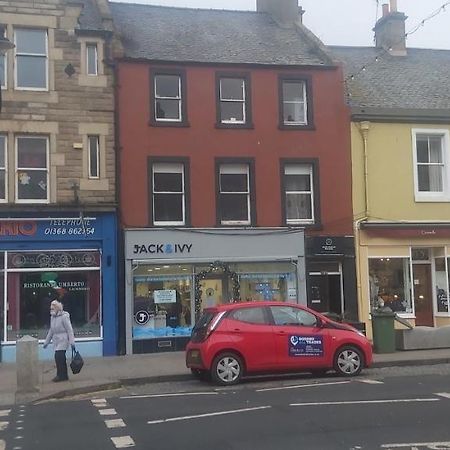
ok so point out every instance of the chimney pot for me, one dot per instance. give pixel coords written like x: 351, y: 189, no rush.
x: 385, y: 9
x: 393, y: 5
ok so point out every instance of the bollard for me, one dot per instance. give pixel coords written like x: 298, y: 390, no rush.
x: 27, y: 365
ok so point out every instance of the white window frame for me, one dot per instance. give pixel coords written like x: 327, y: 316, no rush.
x: 168, y: 167
x: 300, y: 169
x: 443, y: 196
x: 231, y: 168
x: 5, y: 166
x: 16, y: 54
x: 230, y: 100
x: 97, y: 155
x: 179, y: 98
x: 89, y: 46
x: 24, y: 136
x: 4, y: 85
x: 304, y: 102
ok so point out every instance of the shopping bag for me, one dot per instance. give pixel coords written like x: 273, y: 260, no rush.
x: 77, y: 362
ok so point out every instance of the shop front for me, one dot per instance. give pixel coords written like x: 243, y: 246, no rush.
x: 331, y: 279
x: 407, y: 268
x: 70, y: 259
x: 171, y: 275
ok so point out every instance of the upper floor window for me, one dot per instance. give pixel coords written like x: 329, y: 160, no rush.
x: 3, y: 162
x: 233, y: 105
x: 431, y: 162
x: 31, y: 59
x: 295, y: 107
x: 2, y: 61
x: 92, y: 59
x: 168, y: 102
x: 168, y: 193
x: 94, y: 157
x: 32, y: 169
x: 234, y: 194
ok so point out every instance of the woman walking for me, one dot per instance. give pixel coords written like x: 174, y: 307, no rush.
x: 61, y: 333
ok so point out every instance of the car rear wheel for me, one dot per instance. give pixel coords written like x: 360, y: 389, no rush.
x: 227, y: 369
x: 348, y: 361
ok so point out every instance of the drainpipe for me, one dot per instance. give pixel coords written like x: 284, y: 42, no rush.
x: 364, y: 130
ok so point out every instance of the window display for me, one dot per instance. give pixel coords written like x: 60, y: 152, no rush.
x: 441, y: 285
x: 390, y: 282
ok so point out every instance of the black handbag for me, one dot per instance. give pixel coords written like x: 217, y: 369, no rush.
x: 77, y: 362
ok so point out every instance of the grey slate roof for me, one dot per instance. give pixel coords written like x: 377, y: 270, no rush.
x: 416, y: 83
x: 211, y: 36
x: 90, y: 19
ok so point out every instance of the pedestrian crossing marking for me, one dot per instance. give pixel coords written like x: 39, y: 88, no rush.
x: 4, y: 412
x: 123, y: 441
x: 115, y: 423
x: 107, y: 412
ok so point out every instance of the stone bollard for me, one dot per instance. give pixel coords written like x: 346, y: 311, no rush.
x: 27, y: 365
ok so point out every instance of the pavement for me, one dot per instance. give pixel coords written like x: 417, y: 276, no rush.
x: 114, y: 372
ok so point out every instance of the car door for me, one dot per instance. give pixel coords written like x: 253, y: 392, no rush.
x: 252, y: 336
x: 300, y: 341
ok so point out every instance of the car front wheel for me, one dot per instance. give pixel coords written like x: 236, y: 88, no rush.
x: 348, y: 361
x: 227, y: 369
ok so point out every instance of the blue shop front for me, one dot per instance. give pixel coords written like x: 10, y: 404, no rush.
x: 69, y: 258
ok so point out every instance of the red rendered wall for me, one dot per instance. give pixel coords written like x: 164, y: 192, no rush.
x: 202, y: 142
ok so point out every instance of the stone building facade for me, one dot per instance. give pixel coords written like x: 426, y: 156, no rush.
x: 57, y: 171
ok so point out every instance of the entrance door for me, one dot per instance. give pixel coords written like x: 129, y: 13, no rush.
x: 214, y: 291
x: 325, y: 292
x: 423, y: 297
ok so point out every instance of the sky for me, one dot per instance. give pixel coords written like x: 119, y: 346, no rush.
x: 349, y: 22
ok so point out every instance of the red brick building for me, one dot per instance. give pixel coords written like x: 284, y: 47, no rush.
x: 231, y: 125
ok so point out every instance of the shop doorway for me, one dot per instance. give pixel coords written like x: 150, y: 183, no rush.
x: 214, y: 291
x: 423, y: 296
x: 325, y: 289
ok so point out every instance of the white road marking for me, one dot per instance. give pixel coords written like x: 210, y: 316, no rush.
x: 2, y: 444
x: 220, y: 413
x: 443, y: 394
x: 431, y: 445
x: 369, y: 381
x: 19, y: 421
x: 298, y: 386
x: 178, y: 394
x: 110, y: 412
x: 98, y: 400
x: 19, y: 428
x: 115, y: 423
x: 123, y: 442
x: 3, y: 425
x: 4, y: 412
x: 368, y: 402
x: 101, y: 405
x: 18, y: 437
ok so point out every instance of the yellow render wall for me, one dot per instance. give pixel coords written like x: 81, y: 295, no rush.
x: 390, y: 177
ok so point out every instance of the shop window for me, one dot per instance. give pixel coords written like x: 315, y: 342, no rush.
x: 3, y: 162
x: 2, y: 297
x: 295, y: 102
x: 431, y: 165
x: 94, y: 157
x: 390, y: 284
x: 162, y: 302
x: 31, y: 59
x: 92, y: 59
x: 168, y: 102
x: 298, y: 185
x: 32, y: 169
x: 168, y: 194
x: 441, y: 285
x: 31, y: 292
x: 234, y: 194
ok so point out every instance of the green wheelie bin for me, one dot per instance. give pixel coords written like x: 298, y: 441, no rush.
x: 383, y: 330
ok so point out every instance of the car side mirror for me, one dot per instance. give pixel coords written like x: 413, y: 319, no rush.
x: 320, y: 323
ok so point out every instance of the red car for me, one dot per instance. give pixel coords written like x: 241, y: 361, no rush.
x: 230, y: 341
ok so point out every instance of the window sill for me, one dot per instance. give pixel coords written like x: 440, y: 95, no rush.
x: 155, y: 123
x: 283, y: 126
x: 423, y: 199
x: 235, y: 126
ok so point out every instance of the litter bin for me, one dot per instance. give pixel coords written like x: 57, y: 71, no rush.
x: 383, y: 330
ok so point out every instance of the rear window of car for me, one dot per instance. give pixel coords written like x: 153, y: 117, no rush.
x: 204, y: 319
x: 249, y: 315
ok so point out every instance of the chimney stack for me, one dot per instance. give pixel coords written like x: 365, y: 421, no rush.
x: 390, y: 30
x: 284, y: 12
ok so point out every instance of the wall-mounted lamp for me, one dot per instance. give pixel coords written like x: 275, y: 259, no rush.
x: 5, y: 45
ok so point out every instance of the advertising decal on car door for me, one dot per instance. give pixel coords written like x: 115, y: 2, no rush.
x: 305, y: 345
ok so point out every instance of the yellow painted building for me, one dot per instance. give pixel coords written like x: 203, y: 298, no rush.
x: 400, y: 108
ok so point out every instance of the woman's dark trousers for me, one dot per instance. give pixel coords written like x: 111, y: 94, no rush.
x: 61, y: 364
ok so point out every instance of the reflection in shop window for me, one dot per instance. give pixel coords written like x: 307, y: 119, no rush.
x: 162, y: 302
x: 389, y: 282
x: 30, y: 295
